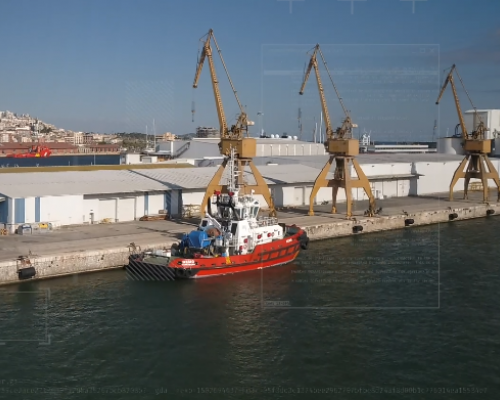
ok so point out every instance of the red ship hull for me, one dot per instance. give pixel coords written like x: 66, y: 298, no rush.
x: 266, y: 255
x: 34, y: 152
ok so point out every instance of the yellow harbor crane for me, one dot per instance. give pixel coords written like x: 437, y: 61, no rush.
x: 476, y: 163
x: 235, y: 137
x: 341, y: 147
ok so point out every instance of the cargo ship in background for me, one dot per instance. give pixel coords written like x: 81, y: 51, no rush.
x: 35, y: 151
x: 233, y: 239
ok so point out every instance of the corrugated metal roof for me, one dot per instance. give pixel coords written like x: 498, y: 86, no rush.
x: 291, y: 173
x: 200, y: 177
x: 74, y: 182
x: 290, y: 170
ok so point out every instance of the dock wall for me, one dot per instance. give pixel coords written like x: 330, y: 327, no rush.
x: 51, y: 266
x: 81, y: 262
x: 386, y: 223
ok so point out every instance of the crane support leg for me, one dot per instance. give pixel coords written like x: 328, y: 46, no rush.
x: 480, y: 167
x: 459, y: 173
x: 212, y: 187
x: 261, y: 186
x: 335, y: 192
x: 364, y: 183
x: 492, y: 174
x: 320, y: 182
x: 347, y: 184
x: 342, y: 179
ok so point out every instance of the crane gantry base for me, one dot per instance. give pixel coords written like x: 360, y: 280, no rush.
x: 476, y: 166
x: 342, y: 179
x: 261, y: 186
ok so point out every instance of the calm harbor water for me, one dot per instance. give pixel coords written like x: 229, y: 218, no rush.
x: 367, y: 317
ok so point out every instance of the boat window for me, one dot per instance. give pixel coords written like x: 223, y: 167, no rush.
x: 204, y: 223
x: 233, y: 228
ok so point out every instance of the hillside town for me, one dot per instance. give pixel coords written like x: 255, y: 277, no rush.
x: 19, y: 131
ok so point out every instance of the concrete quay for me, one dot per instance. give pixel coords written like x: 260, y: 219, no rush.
x: 80, y: 249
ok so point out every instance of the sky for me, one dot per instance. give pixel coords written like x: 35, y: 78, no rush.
x: 124, y: 65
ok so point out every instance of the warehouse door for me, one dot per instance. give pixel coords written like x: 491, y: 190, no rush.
x: 3, y: 211
x: 403, y: 188
x: 107, y: 210
x: 126, y: 209
x: 307, y: 195
x: 298, y: 196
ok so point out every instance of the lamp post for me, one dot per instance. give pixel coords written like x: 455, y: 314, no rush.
x: 261, y: 114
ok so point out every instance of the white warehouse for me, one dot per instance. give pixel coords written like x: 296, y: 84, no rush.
x: 84, y: 197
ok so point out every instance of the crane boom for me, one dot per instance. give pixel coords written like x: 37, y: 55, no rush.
x: 346, y: 113
x: 232, y: 140
x: 449, y: 79
x: 242, y: 122
x: 207, y: 53
x: 314, y: 63
x: 347, y: 124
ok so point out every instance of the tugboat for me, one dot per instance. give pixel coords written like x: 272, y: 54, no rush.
x: 233, y: 239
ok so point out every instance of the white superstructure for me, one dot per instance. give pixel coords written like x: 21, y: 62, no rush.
x: 237, y: 217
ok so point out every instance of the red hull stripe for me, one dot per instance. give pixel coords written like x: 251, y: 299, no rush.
x: 250, y: 267
x: 264, y: 256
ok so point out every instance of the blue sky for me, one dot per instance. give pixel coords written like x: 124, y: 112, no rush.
x: 115, y: 65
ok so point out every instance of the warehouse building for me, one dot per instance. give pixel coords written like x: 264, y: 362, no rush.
x: 200, y: 148
x: 68, y: 198
x: 85, y: 197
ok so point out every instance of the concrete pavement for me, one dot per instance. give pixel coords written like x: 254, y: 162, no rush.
x: 104, y: 236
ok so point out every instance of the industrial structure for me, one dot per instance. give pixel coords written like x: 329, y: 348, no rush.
x: 207, y: 132
x: 341, y: 147
x: 110, y: 196
x: 233, y: 137
x: 476, y: 163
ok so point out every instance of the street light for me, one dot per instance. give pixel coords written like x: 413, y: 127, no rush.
x: 261, y: 114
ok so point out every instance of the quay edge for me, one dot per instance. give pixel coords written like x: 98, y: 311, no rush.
x: 52, y: 266
x: 394, y: 222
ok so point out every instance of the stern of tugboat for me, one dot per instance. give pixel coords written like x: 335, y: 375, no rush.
x: 142, y: 267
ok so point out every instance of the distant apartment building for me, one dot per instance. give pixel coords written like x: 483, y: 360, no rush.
x: 98, y: 137
x: 4, y: 138
x: 88, y: 138
x: 77, y: 137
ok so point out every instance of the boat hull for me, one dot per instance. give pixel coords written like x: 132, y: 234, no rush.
x: 264, y: 256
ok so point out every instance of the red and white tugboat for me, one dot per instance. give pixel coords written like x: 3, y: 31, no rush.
x: 233, y: 239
